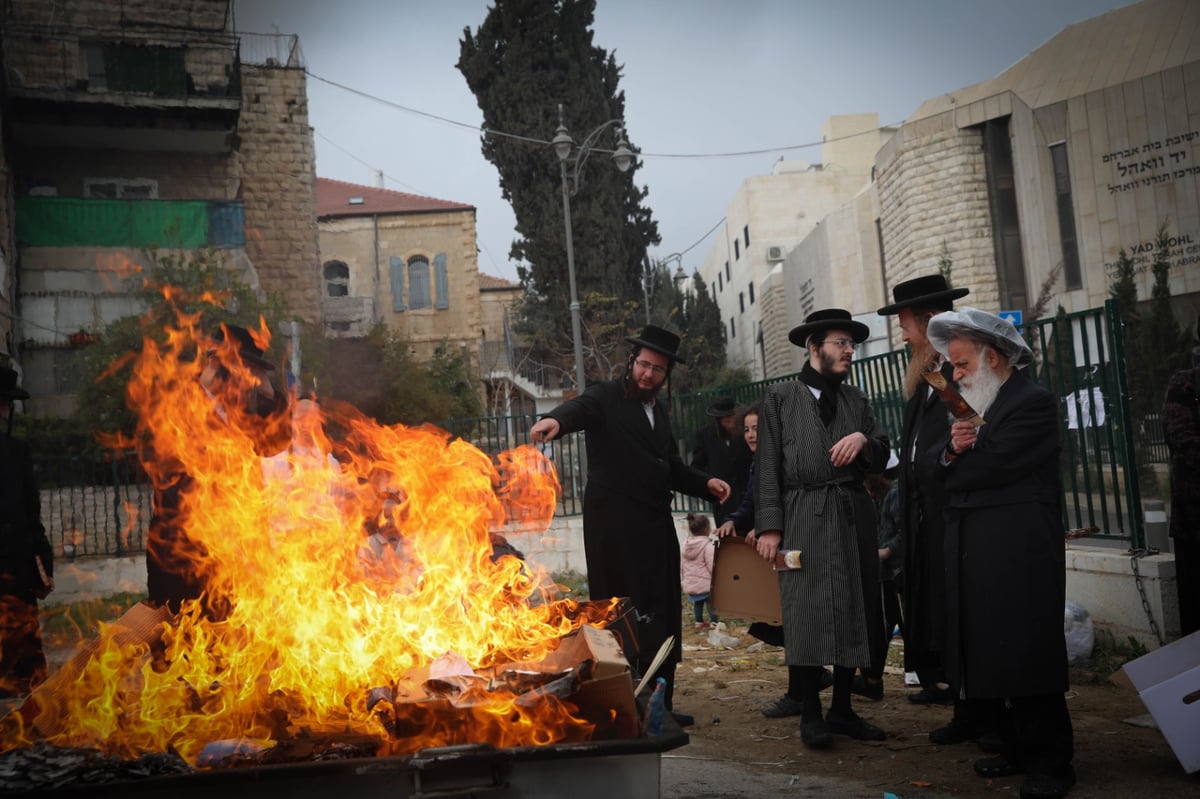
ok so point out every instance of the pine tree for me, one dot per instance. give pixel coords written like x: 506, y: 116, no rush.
x: 702, y: 345
x: 1123, y: 289
x: 1163, y: 342
x: 528, y: 58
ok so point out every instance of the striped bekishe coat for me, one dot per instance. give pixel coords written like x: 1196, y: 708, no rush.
x: 831, y: 608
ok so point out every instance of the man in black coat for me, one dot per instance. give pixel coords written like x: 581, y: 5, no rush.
x: 1006, y: 565
x: 915, y: 302
x: 1181, y: 422
x: 721, y: 451
x: 23, y: 543
x: 633, y: 463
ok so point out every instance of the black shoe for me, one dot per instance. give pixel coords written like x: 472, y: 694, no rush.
x: 826, y: 678
x: 955, y: 732
x: 863, y: 687
x: 782, y: 707
x: 683, y: 719
x: 851, y: 724
x: 816, y: 734
x: 993, y: 767
x: 1044, y: 786
x: 932, y: 696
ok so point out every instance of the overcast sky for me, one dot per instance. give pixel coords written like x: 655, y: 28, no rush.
x: 700, y: 77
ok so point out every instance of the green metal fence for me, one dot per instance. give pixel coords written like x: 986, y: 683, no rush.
x: 103, y: 509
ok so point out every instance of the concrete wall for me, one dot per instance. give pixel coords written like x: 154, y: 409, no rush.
x: 1100, y: 579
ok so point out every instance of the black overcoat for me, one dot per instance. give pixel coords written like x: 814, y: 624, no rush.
x: 22, y: 534
x: 728, y: 459
x: 923, y: 530
x: 628, y: 532
x: 1006, y: 561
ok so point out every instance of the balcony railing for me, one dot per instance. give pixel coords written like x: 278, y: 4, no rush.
x: 76, y: 222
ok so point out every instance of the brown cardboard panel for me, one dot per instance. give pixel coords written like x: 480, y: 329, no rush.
x: 744, y: 586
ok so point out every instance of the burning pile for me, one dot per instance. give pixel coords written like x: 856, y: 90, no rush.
x: 419, y: 640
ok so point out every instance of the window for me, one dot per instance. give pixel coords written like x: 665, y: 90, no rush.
x: 396, y: 278
x: 1066, y: 216
x: 337, y: 278
x: 441, y: 282
x: 418, y: 282
x: 732, y: 329
x: 751, y: 287
x: 1006, y: 225
x: 742, y: 301
x: 746, y: 235
x: 120, y: 188
x: 728, y: 276
x: 145, y: 69
x: 720, y: 281
x: 737, y: 249
x: 714, y: 288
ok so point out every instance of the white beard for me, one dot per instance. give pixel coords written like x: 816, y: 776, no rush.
x: 980, y: 389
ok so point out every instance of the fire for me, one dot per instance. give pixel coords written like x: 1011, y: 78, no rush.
x: 320, y: 618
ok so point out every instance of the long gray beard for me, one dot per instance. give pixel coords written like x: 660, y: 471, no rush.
x: 980, y: 389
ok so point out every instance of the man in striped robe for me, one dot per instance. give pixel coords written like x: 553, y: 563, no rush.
x: 817, y: 441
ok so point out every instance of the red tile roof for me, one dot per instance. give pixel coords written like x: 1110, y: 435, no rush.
x: 333, y: 199
x: 492, y: 283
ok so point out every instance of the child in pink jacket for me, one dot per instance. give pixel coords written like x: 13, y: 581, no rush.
x: 696, y: 565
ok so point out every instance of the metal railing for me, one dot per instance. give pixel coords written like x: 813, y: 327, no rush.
x: 103, y: 509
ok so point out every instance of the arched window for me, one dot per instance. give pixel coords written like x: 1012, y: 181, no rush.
x: 337, y: 279
x: 418, y: 282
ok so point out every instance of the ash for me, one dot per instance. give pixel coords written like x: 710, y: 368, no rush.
x: 44, y: 767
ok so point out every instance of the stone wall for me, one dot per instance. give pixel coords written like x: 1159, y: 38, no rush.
x: 277, y: 163
x: 932, y: 184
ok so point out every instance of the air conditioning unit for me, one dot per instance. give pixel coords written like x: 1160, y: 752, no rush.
x: 775, y: 253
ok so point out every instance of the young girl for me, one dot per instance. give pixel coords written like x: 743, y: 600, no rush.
x: 696, y: 566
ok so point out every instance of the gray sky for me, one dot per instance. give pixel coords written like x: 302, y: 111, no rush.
x: 700, y: 77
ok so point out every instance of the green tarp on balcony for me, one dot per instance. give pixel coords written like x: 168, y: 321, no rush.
x: 72, y: 222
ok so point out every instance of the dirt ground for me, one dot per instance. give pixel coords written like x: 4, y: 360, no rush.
x: 726, y: 689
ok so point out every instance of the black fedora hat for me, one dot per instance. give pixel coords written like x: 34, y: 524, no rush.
x: 8, y: 385
x: 930, y: 291
x: 656, y: 338
x: 248, y: 351
x: 722, y: 406
x: 828, y: 319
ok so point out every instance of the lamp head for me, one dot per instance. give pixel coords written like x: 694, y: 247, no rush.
x: 622, y: 156
x: 562, y: 142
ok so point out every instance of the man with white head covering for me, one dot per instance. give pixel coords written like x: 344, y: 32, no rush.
x: 1005, y: 561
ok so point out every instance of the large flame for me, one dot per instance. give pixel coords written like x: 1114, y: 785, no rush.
x: 319, y: 613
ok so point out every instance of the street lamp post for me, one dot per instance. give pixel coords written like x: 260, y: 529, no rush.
x: 566, y: 150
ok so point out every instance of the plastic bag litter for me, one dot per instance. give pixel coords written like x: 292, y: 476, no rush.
x: 1077, y: 626
x: 719, y: 638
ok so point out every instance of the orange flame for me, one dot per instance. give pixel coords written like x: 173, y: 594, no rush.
x: 319, y: 612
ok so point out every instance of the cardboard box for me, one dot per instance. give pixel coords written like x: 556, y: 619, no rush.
x: 744, y: 586
x: 1168, y: 681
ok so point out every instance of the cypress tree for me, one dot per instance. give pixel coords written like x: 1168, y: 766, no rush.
x: 526, y: 59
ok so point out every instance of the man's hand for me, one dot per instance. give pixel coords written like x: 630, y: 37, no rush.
x: 845, y: 451
x: 768, y: 543
x: 718, y: 488
x: 962, y: 438
x: 545, y: 430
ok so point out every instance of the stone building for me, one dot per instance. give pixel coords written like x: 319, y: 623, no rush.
x: 767, y: 218
x: 1034, y: 181
x: 139, y: 127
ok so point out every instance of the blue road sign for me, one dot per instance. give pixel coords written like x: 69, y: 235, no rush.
x: 1016, y: 317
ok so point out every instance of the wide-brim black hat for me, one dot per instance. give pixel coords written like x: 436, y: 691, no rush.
x: 8, y: 385
x: 661, y: 341
x: 829, y: 319
x: 248, y: 351
x: 930, y: 291
x: 723, y: 406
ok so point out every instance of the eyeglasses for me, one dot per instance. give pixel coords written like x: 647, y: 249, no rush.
x: 651, y: 367
x: 841, y: 343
